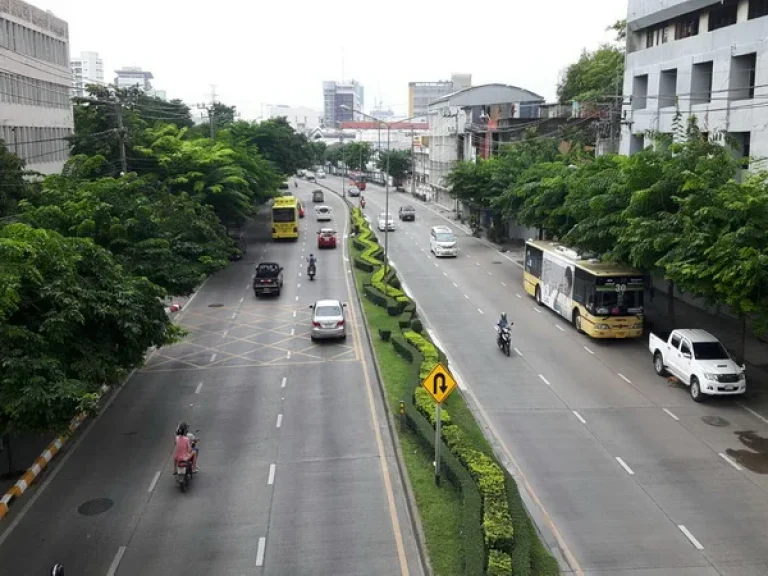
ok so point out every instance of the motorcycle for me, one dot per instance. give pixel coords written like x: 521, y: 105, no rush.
x: 184, y: 468
x: 311, y: 271
x: 504, y: 341
x: 362, y: 203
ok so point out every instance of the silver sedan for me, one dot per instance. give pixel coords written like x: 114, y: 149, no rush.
x: 328, y: 320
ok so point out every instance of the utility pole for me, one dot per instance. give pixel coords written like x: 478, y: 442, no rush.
x: 121, y: 132
x: 211, y: 110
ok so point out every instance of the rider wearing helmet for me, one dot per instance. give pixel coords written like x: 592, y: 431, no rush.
x: 503, y: 322
x: 312, y: 260
x: 183, y: 451
x: 57, y: 570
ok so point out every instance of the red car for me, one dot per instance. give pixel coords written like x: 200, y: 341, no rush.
x: 301, y: 210
x: 326, y: 238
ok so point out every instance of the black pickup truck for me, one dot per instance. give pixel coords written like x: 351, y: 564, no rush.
x: 268, y: 279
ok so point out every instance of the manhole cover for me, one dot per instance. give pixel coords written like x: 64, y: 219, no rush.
x: 715, y: 421
x: 496, y: 262
x: 95, y: 507
x: 215, y: 305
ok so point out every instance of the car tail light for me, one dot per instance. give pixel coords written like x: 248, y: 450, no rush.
x: 340, y: 323
x: 316, y: 324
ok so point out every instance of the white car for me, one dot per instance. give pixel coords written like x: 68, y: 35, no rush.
x: 320, y: 174
x: 386, y: 222
x: 328, y: 320
x: 442, y: 242
x: 323, y: 213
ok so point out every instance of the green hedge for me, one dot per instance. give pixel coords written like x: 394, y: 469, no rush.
x: 402, y: 347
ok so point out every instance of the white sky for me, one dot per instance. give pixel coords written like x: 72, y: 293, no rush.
x: 279, y: 51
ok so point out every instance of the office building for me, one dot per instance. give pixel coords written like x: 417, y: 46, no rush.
x: 422, y: 94
x: 133, y: 76
x: 301, y: 118
x: 87, y: 68
x: 35, y: 85
x: 339, y: 99
x: 702, y: 58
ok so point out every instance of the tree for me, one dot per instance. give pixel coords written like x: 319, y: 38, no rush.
x: 397, y: 163
x: 334, y: 153
x: 318, y: 153
x: 278, y: 143
x: 620, y: 29
x: 596, y: 76
x: 12, y: 185
x: 357, y: 155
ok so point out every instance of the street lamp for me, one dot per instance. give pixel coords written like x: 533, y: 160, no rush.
x: 386, y: 186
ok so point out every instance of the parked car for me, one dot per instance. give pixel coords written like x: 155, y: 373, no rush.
x: 386, y: 222
x: 318, y: 196
x: 353, y: 191
x: 311, y: 177
x: 268, y: 279
x: 407, y: 213
x: 320, y: 174
x: 326, y: 238
x: 328, y: 320
x: 323, y: 213
x: 284, y: 186
x: 700, y: 361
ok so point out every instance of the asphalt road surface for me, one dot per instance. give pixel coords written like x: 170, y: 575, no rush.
x: 297, y: 473
x: 632, y: 476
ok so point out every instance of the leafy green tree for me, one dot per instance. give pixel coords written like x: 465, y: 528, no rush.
x: 71, y: 321
x: 278, y: 142
x: 620, y: 29
x: 318, y: 153
x: 397, y: 163
x: 357, y: 155
x: 471, y: 182
x: 541, y: 191
x: 596, y: 76
x: 12, y: 185
x: 334, y: 154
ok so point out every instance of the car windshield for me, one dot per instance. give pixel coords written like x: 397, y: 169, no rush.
x: 382, y: 216
x: 710, y: 351
x: 409, y: 209
x: 445, y: 237
x: 327, y: 311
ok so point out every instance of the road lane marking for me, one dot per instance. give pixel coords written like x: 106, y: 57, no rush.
x: 627, y: 380
x: 544, y: 380
x: 729, y: 460
x: 455, y: 285
x: 481, y: 312
x: 559, y: 327
x: 690, y: 537
x: 271, y: 479
x: 490, y: 273
x: 225, y: 333
x: 260, y: 551
x: 465, y: 296
x: 445, y: 274
x: 233, y: 315
x: 213, y: 356
x: 624, y: 465
x: 294, y: 313
x: 241, y: 300
x: 580, y: 417
x: 288, y: 356
x: 670, y: 414
x: 293, y: 331
x: 155, y: 478
x: 279, y: 421
x: 199, y: 387
x: 537, y: 310
x: 588, y: 350
x: 518, y: 351
x: 755, y: 414
x: 298, y: 285
x: 284, y: 382
x: 477, y: 263
x: 116, y: 562
x: 435, y: 263
x: 297, y: 298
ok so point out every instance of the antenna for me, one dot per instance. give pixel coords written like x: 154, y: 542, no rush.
x: 342, y: 64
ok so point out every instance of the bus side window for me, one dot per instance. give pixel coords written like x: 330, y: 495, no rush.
x: 533, y: 258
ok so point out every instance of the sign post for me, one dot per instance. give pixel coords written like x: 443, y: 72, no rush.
x: 439, y: 383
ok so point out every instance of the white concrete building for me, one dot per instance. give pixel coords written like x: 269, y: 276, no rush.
x: 706, y: 58
x: 87, y: 68
x: 301, y: 118
x: 35, y: 85
x: 132, y: 76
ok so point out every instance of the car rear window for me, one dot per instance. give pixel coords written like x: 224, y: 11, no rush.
x: 409, y: 209
x: 445, y: 237
x: 327, y: 311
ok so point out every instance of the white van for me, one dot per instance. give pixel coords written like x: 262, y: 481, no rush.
x: 443, y: 242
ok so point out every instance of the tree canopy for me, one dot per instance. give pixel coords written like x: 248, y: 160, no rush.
x: 594, y: 77
x: 397, y: 163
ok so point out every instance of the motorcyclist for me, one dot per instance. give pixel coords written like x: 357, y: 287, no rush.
x: 362, y: 202
x: 296, y: 183
x: 184, y: 451
x: 312, y: 261
x: 502, y: 324
x: 57, y: 570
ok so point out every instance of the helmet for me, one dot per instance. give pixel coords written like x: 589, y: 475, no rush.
x: 57, y: 570
x: 183, y: 428
x: 504, y: 316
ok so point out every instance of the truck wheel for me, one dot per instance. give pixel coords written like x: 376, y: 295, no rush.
x: 658, y: 364
x: 538, y: 295
x: 696, y: 390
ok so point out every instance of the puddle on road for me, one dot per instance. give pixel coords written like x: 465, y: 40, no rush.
x: 756, y: 457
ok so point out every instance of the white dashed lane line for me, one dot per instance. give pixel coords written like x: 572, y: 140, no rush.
x: 279, y: 421
x: 537, y: 310
x: 465, y: 296
x: 559, y: 327
x: 671, y: 415
x: 731, y: 462
x: 455, y: 285
x: 624, y: 465
x: 284, y: 382
x: 544, y: 380
x: 588, y: 350
x: 580, y: 417
x: 199, y: 387
x: 627, y: 380
x: 481, y: 312
x: 518, y: 352
x: 260, y: 551
x: 690, y: 537
x: 271, y: 478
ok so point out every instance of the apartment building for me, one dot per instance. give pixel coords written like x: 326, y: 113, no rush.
x: 87, y: 68
x: 422, y: 94
x: 35, y: 85
x: 706, y: 58
x: 339, y: 99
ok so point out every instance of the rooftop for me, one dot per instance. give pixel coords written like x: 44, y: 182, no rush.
x: 43, y: 19
x: 486, y: 94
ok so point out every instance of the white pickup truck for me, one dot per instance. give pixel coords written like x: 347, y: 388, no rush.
x: 700, y: 361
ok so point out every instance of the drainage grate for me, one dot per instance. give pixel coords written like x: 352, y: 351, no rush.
x: 95, y: 507
x: 715, y: 421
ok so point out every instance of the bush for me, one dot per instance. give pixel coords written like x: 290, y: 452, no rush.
x: 426, y: 405
x: 363, y: 265
x: 426, y: 349
x: 385, y: 334
x: 404, y: 322
x: 416, y: 326
x: 403, y: 349
x: 499, y: 564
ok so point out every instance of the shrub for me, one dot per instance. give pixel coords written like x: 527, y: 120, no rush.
x: 416, y: 326
x: 364, y: 266
x: 405, y: 319
x: 499, y: 564
x: 385, y: 334
x: 403, y: 348
x: 426, y: 405
x: 426, y: 349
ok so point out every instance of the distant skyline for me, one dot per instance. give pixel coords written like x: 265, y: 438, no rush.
x: 280, y: 53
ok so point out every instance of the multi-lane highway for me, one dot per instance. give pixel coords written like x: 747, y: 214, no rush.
x: 632, y: 477
x: 297, y: 468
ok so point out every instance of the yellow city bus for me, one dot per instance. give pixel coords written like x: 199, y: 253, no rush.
x: 285, y: 218
x: 600, y: 299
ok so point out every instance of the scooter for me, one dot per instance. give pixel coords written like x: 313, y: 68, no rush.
x: 184, y: 469
x: 362, y: 203
x: 311, y: 271
x: 503, y: 341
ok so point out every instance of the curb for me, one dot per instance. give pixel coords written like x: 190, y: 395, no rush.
x: 42, y: 461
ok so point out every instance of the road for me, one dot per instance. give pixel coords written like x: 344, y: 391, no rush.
x: 298, y: 474
x: 633, y: 476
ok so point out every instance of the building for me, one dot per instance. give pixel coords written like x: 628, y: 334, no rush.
x: 87, y: 68
x: 339, y: 99
x: 133, y: 75
x: 706, y: 58
x: 472, y: 122
x: 35, y: 85
x: 301, y: 118
x: 422, y: 94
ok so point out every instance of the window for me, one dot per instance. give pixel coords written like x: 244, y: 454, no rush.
x: 701, y: 83
x: 668, y: 88
x: 723, y: 15
x: 583, y: 288
x: 675, y: 342
x: 685, y: 348
x: 639, y: 92
x: 757, y: 9
x: 742, y: 77
x: 533, y: 258
x: 687, y: 26
x: 655, y: 36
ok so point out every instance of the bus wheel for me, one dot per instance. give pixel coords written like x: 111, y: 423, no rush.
x: 577, y: 321
x: 538, y: 295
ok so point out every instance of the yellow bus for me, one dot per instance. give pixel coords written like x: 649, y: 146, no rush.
x: 285, y: 218
x: 600, y: 299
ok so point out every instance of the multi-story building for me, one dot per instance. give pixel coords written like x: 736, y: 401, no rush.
x: 302, y: 119
x: 339, y: 99
x: 35, y: 85
x: 422, y: 94
x: 87, y: 68
x: 133, y: 76
x: 702, y: 58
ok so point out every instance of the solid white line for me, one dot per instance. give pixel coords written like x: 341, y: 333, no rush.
x: 755, y: 414
x: 199, y: 387
x: 670, y: 414
x: 537, y: 310
x: 271, y: 479
x: 455, y: 285
x: 155, y: 478
x: 293, y: 331
x: 580, y: 417
x: 544, y: 380
x: 690, y: 537
x: 731, y: 462
x: 465, y: 296
x: 481, y: 312
x: 116, y: 562
x: 288, y: 356
x: 241, y: 300
x: 284, y: 382
x: 588, y: 350
x: 260, y: 551
x: 627, y: 380
x: 213, y: 356
x: 624, y: 465
x: 559, y: 327
x: 518, y: 351
x: 279, y: 421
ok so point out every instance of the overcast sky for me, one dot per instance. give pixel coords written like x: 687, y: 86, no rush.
x: 279, y: 52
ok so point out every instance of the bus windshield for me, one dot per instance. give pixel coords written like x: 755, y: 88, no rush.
x: 283, y: 214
